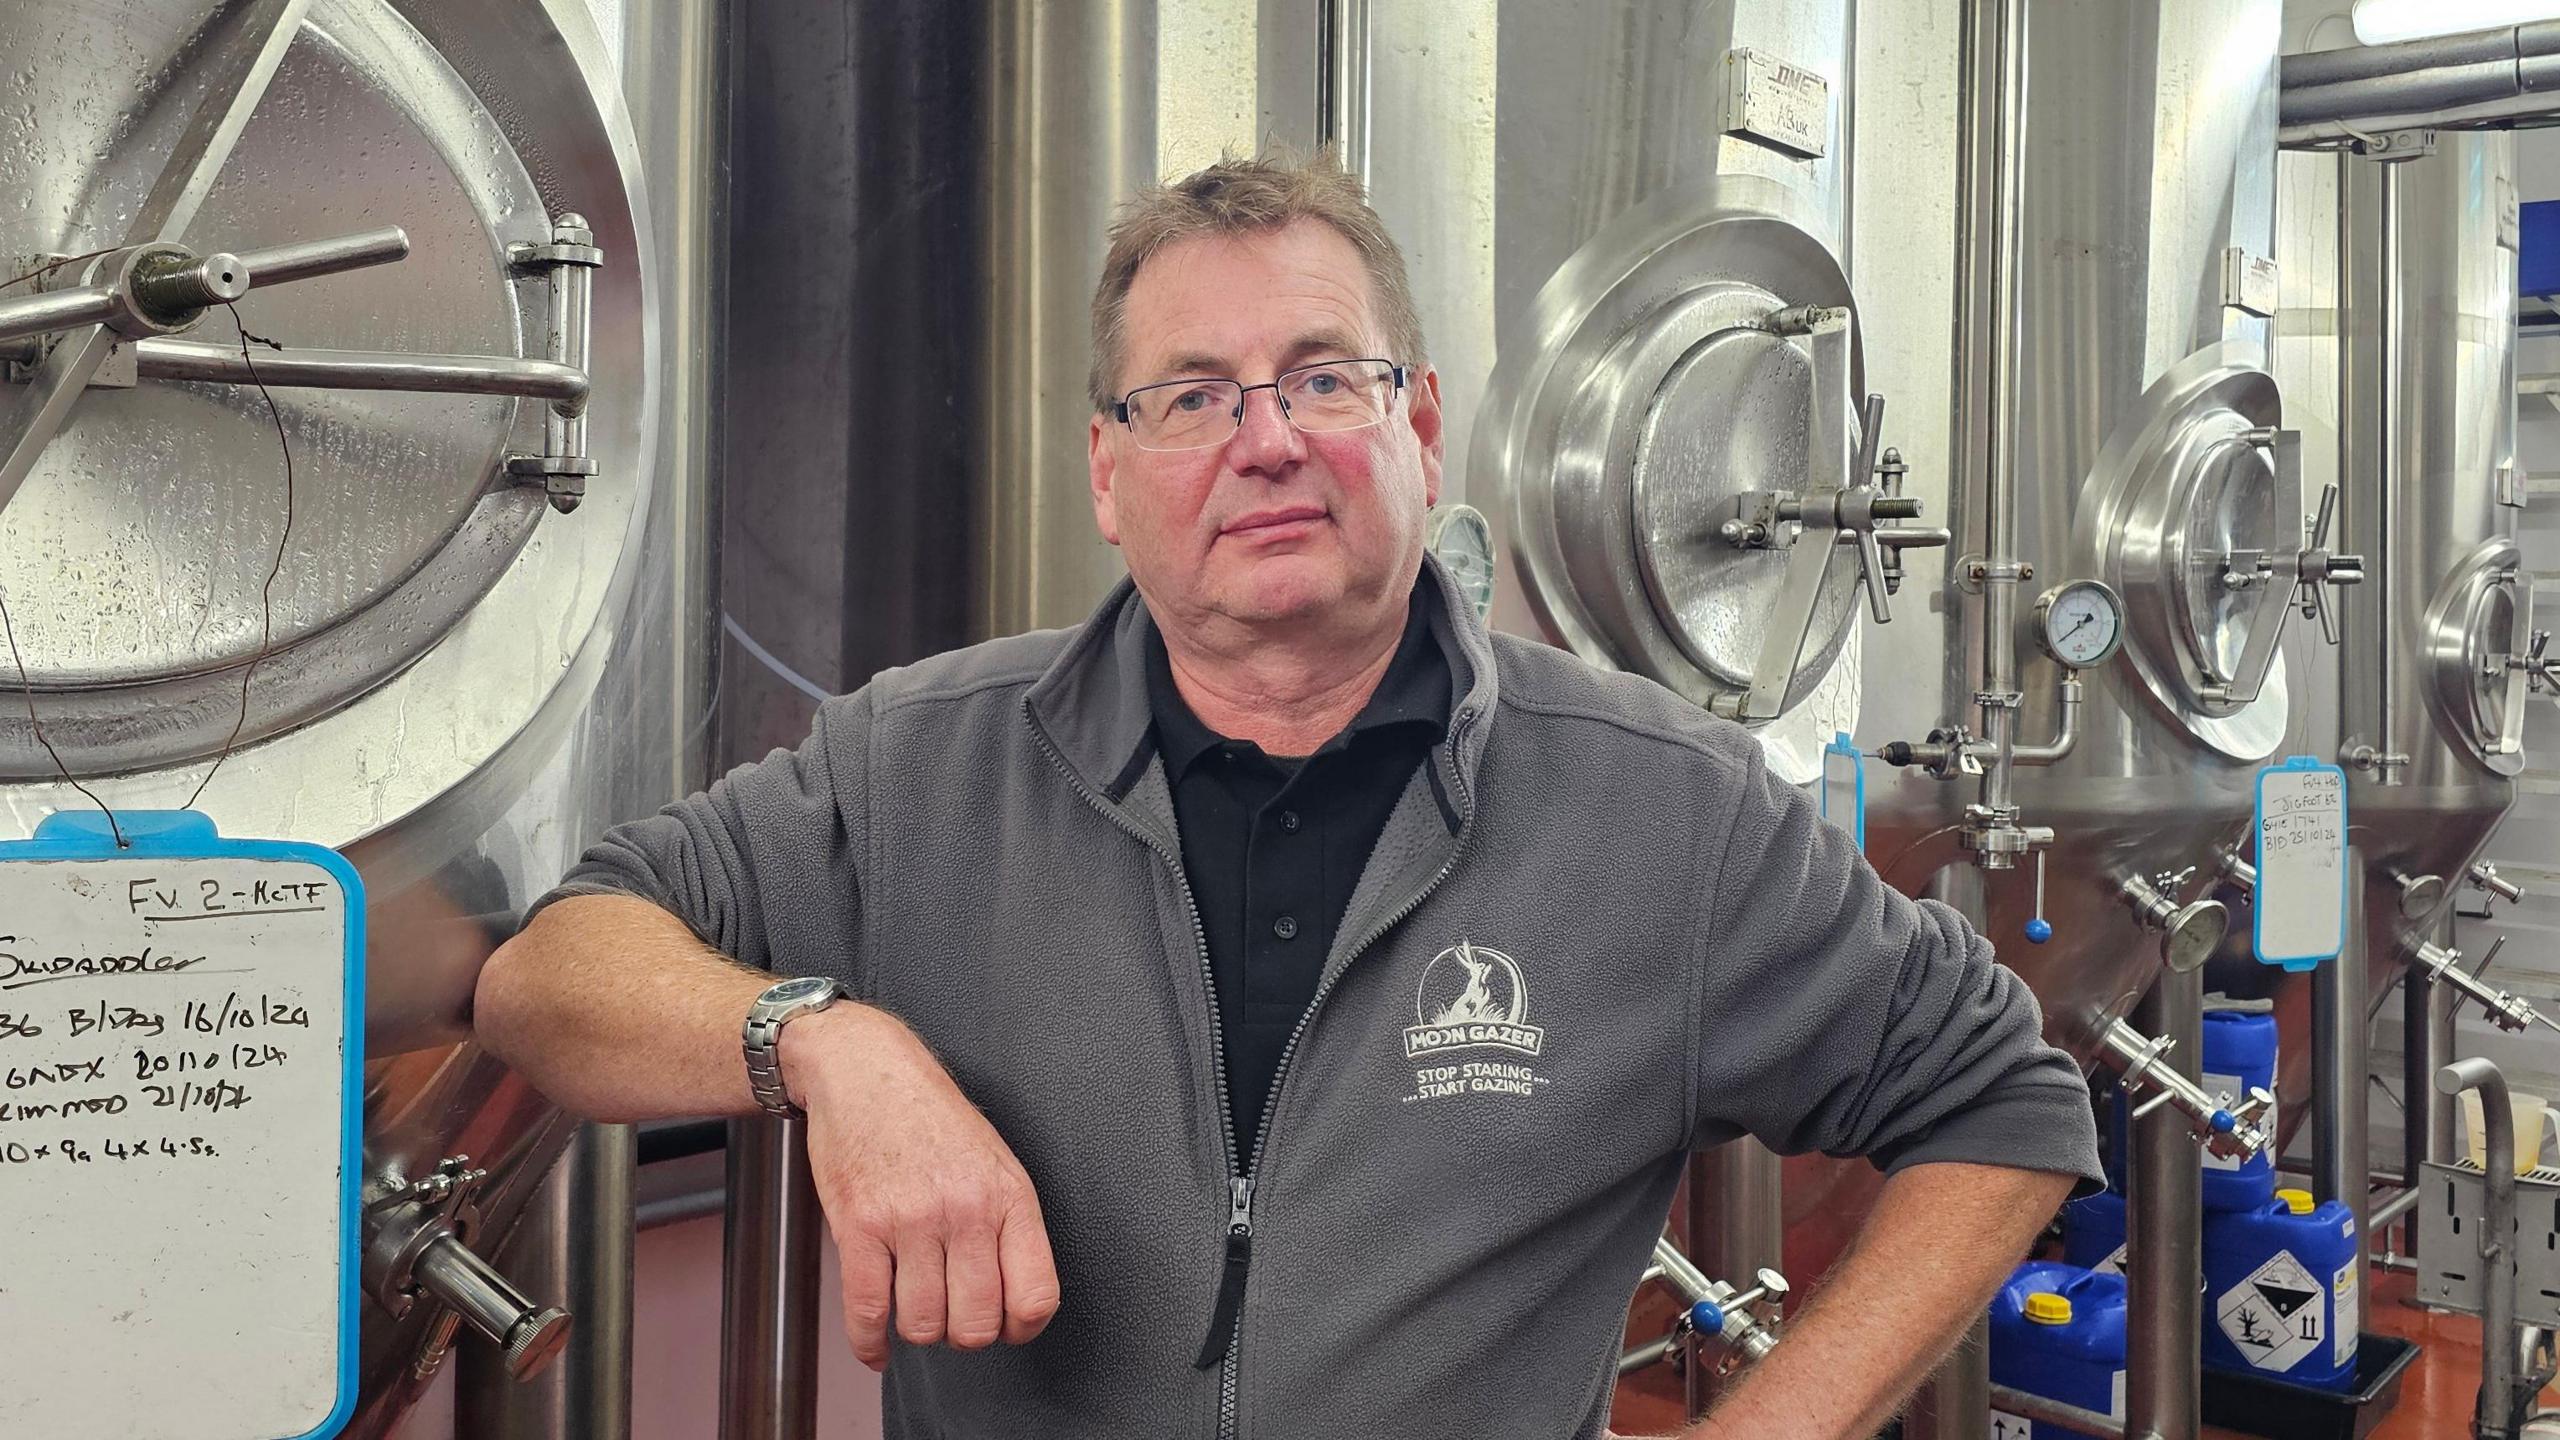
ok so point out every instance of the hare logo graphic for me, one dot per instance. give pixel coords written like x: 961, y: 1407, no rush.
x: 1471, y: 996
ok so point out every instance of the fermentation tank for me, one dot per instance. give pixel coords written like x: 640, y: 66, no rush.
x: 2408, y: 322
x: 482, y: 639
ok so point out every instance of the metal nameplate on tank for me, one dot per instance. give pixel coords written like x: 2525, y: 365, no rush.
x: 1783, y: 107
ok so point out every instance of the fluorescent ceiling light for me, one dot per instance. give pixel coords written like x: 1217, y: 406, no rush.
x: 2379, y: 22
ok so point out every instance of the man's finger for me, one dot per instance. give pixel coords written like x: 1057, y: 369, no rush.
x: 1030, y: 1274
x: 976, y: 1287
x: 919, y: 1287
x: 866, y: 1276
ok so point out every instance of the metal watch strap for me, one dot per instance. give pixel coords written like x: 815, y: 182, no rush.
x: 764, y: 1049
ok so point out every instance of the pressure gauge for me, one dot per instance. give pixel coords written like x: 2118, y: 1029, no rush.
x: 2079, y: 623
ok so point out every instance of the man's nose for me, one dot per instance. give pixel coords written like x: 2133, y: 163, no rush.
x: 1265, y: 441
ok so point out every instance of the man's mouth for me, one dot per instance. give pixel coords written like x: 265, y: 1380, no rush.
x: 1262, y: 521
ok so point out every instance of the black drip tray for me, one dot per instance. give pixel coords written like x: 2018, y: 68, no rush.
x: 2281, y: 1410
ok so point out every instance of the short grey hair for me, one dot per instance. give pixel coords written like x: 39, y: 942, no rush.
x: 1247, y: 197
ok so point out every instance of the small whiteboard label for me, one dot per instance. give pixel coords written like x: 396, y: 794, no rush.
x: 2301, y: 842
x: 179, y: 1052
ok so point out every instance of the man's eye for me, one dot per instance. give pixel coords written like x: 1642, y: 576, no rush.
x: 1323, y: 382
x: 1192, y: 402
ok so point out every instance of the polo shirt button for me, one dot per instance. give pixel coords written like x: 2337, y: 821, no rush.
x: 1289, y: 821
x: 1285, y: 927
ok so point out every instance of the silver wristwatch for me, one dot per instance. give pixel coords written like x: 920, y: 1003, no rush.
x: 775, y: 1008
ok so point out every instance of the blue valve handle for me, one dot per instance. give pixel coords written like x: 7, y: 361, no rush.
x: 1707, y: 1317
x: 2223, y: 1122
x: 2039, y: 930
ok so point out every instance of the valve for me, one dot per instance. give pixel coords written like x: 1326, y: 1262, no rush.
x: 1745, y: 1320
x: 416, y: 1244
x: 2483, y: 877
x: 2189, y: 933
x: 2039, y: 929
x: 2228, y: 1130
x: 2506, y: 1010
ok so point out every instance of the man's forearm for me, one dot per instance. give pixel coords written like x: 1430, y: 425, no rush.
x: 1938, y: 1244
x: 614, y: 1010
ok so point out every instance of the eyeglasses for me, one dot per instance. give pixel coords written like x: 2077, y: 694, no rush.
x: 1320, y: 399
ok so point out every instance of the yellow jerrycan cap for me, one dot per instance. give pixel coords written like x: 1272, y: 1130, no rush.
x: 2048, y: 1309
x: 2297, y: 1201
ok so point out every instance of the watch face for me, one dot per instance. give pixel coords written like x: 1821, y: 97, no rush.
x: 791, y: 992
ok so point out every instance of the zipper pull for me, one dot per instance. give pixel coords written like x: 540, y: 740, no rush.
x: 1222, y: 1322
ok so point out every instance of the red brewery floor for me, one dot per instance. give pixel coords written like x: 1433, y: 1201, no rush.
x: 2436, y: 1392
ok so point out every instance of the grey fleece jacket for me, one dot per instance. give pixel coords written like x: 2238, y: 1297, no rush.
x: 1595, y: 936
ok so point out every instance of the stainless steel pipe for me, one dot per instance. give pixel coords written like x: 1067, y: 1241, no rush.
x: 2164, y: 1330
x: 1736, y: 1227
x: 2341, y: 1057
x: 2494, y: 1419
x: 769, y: 1263
x: 2451, y: 81
x: 563, y: 386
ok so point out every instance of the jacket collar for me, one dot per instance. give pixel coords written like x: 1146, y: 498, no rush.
x: 1092, y: 701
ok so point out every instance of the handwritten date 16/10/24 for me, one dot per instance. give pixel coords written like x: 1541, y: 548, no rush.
x: 235, y: 1013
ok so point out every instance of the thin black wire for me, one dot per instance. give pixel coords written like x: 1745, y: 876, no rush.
x: 267, y: 594
x: 26, y: 683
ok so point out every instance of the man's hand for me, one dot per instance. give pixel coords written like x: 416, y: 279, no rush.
x: 934, y: 1219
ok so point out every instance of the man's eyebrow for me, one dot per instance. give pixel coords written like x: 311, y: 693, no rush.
x: 1336, y: 343
x: 1194, y: 363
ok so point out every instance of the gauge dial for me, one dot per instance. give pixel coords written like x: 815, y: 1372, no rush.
x: 2080, y: 624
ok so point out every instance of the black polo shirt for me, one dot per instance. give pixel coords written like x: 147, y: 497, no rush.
x: 1274, y: 845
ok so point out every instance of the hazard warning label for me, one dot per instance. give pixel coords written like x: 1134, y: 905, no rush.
x: 2275, y: 1316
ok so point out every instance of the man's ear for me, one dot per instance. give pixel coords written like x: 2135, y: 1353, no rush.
x: 1425, y: 415
x: 1100, y: 463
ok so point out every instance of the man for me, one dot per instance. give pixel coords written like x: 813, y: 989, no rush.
x: 1279, y: 1007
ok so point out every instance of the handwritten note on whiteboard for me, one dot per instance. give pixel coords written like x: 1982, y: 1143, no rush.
x: 180, y: 1028
x: 2301, y: 840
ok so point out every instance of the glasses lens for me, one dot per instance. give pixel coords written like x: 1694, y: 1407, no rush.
x: 1186, y: 414
x: 1341, y: 395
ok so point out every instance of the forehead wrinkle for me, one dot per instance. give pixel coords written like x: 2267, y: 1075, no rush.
x: 1307, y: 266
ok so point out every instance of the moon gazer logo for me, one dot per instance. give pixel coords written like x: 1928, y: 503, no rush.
x: 1471, y: 995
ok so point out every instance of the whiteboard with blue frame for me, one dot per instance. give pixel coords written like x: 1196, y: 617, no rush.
x: 181, y: 1053
x: 2299, y: 835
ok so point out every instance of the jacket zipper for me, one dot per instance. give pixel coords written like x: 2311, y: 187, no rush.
x: 1219, y: 1347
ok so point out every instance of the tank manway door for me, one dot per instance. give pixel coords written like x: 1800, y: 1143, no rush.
x: 2486, y: 656
x: 1689, y: 457
x: 2210, y: 551
x: 275, y: 245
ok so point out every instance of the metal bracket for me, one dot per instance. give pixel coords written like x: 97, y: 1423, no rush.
x: 569, y: 262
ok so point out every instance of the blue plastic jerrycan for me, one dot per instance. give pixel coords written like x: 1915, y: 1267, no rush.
x: 2057, y: 1330
x: 2093, y: 1232
x: 2280, y: 1291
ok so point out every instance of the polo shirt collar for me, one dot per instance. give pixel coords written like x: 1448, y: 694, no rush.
x: 1413, y: 693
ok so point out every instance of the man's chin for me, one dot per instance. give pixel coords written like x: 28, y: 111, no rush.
x: 1282, y: 591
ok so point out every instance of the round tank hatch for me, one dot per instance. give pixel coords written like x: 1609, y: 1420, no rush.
x: 2194, y: 516
x: 1665, y: 380
x: 135, y: 556
x: 1731, y: 416
x: 2236, y: 516
x: 2480, y: 616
